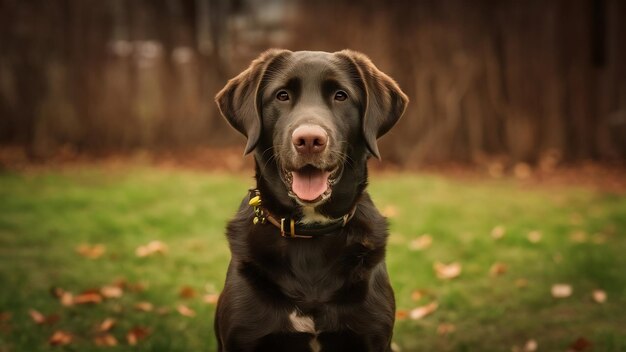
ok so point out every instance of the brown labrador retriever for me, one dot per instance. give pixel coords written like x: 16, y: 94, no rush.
x: 307, y: 271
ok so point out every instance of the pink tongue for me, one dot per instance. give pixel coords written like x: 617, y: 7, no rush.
x: 310, y: 184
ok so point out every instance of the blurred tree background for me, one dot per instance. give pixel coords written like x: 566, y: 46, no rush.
x: 519, y: 81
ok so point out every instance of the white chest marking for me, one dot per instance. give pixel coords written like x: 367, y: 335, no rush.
x: 311, y: 216
x: 302, y: 324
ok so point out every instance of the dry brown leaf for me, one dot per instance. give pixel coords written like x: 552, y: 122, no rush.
x: 60, y: 338
x: 447, y: 271
x: 153, y: 247
x: 531, y: 345
x: 534, y: 236
x: 91, y: 251
x: 498, y: 232
x: 421, y: 312
x: 211, y: 298
x: 187, y: 292
x: 106, y: 340
x: 41, y: 319
x: 136, y: 334
x: 416, y: 295
x: 395, y: 347
x: 37, y: 317
x: 88, y: 297
x: 67, y: 299
x: 106, y: 325
x: 599, y: 296
x: 144, y: 306
x: 445, y: 329
x: 111, y: 291
x: 422, y: 242
x: 185, y: 311
x: 401, y: 314
x: 561, y: 290
x: 498, y: 269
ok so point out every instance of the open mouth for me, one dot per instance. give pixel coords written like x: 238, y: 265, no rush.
x: 310, y: 184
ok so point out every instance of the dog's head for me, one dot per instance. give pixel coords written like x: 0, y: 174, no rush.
x: 311, y: 116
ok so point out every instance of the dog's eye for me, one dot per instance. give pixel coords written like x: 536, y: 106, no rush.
x: 341, y: 95
x: 282, y: 95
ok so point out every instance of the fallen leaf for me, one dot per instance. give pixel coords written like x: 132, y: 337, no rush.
x: 111, y: 291
x: 531, y: 345
x: 421, y: 312
x: 187, y: 292
x: 599, y: 296
x: 416, y: 295
x: 185, y: 311
x: 153, y: 247
x: 395, y: 347
x: 561, y: 290
x: 106, y: 325
x: 106, y: 340
x: 447, y: 271
x: 136, y: 334
x: 37, y: 317
x: 498, y: 269
x: 401, y: 314
x: 41, y: 319
x: 581, y: 344
x: 144, y: 306
x: 498, y: 232
x: 67, y: 299
x: 521, y: 283
x: 91, y: 251
x: 421, y: 243
x: 60, y: 338
x: 445, y: 329
x: 534, y: 236
x: 88, y: 298
x: 211, y: 298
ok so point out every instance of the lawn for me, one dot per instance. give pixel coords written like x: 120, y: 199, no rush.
x: 501, y: 298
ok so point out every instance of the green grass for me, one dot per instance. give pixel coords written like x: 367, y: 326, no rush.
x: 45, y: 215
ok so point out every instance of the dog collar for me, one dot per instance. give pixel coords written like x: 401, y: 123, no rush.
x: 288, y: 226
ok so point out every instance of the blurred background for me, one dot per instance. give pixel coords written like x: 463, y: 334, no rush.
x: 513, y: 81
x: 503, y: 183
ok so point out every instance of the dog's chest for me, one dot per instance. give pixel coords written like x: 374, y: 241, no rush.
x: 314, y: 271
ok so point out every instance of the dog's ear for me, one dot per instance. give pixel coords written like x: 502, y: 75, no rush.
x: 239, y: 100
x: 385, y: 102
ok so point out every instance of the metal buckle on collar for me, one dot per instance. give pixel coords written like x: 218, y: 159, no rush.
x: 292, y: 229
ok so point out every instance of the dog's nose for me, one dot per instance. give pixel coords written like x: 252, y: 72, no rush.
x: 309, y: 139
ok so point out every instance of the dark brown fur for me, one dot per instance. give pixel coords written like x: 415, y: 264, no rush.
x: 339, y: 280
